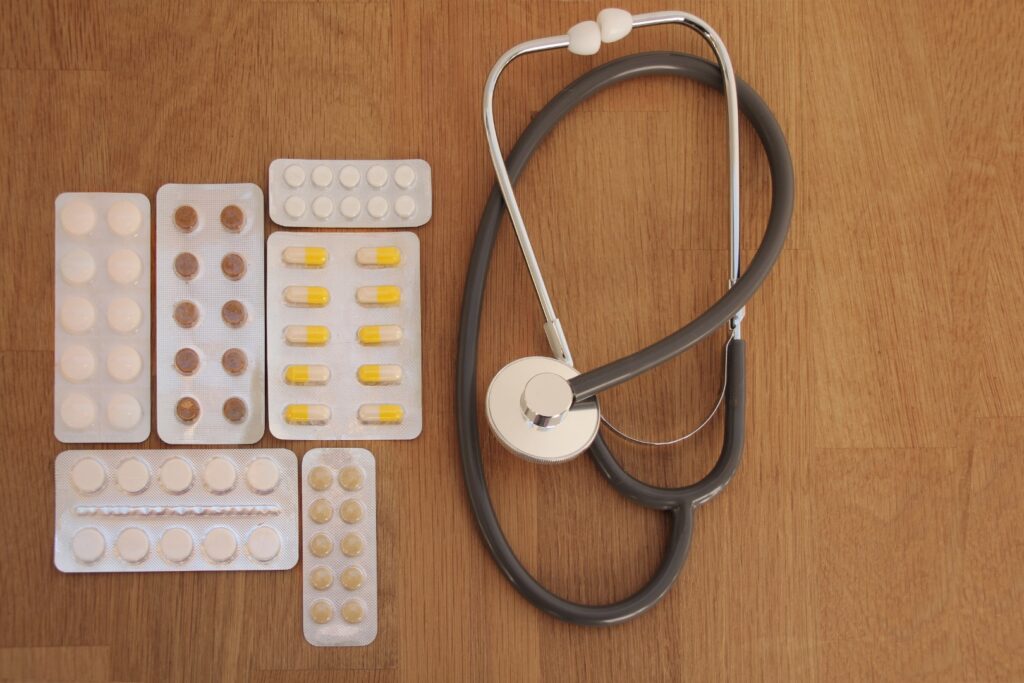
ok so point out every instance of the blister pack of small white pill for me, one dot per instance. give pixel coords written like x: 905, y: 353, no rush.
x: 339, y: 555
x: 343, y: 335
x: 210, y: 346
x: 101, y: 326
x: 354, y: 193
x: 176, y: 510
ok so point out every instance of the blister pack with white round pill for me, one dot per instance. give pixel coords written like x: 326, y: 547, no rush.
x: 210, y: 348
x: 176, y: 510
x: 343, y: 335
x: 339, y: 551
x: 101, y: 318
x: 350, y: 193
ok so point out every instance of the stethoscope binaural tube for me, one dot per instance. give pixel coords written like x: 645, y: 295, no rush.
x: 679, y: 502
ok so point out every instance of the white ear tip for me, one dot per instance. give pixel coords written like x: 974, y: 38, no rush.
x: 615, y: 24
x: 585, y: 38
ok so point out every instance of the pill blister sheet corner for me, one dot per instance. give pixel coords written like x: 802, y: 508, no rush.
x: 176, y: 510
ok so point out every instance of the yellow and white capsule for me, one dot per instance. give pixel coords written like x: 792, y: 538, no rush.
x: 307, y: 414
x: 381, y: 257
x: 381, y: 413
x: 306, y: 257
x: 307, y: 375
x: 379, y: 374
x: 370, y: 335
x: 380, y: 295
x: 307, y: 335
x: 313, y: 297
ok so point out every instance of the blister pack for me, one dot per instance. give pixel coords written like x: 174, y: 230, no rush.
x: 101, y: 318
x: 176, y: 510
x: 343, y: 335
x: 339, y: 554
x: 354, y: 193
x: 210, y: 346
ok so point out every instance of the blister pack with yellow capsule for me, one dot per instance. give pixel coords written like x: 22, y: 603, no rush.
x: 343, y: 335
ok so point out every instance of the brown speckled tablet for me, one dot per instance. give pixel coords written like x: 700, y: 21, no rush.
x: 234, y: 361
x: 233, y: 266
x: 187, y: 410
x: 186, y: 361
x: 186, y: 314
x: 186, y: 265
x: 232, y: 218
x: 234, y: 313
x: 235, y: 410
x: 186, y: 218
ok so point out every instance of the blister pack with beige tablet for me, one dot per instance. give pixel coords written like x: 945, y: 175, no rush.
x: 101, y: 318
x: 210, y: 348
x: 339, y: 553
x: 176, y: 510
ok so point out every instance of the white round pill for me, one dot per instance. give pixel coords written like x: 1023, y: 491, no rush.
x: 219, y: 475
x: 77, y: 217
x: 123, y: 412
x: 220, y: 544
x: 294, y: 175
x: 377, y: 176
x: 262, y: 475
x: 88, y: 475
x: 264, y: 543
x: 78, y: 411
x: 88, y: 545
x: 124, y: 266
x: 322, y: 207
x: 124, y: 218
x: 124, y: 315
x: 176, y: 475
x: 350, y: 207
x: 133, y: 545
x: 77, y: 363
x: 77, y: 267
x: 77, y: 315
x: 176, y: 545
x: 405, y: 176
x: 377, y: 207
x: 405, y: 206
x: 124, y: 363
x: 295, y: 206
x: 349, y: 176
x: 322, y: 176
x: 132, y: 475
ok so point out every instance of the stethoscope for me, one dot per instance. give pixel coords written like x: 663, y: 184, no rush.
x: 542, y: 408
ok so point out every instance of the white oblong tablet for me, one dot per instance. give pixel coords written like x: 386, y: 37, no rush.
x: 176, y: 475
x: 77, y: 315
x: 78, y: 411
x: 77, y: 218
x: 124, y: 266
x: 350, y: 207
x: 77, y: 363
x: 295, y: 206
x: 377, y: 207
x: 88, y: 545
x: 132, y: 545
x: 124, y: 315
x: 176, y: 545
x: 132, y: 475
x: 322, y: 176
x: 77, y: 267
x: 264, y: 543
x: 124, y: 218
x: 124, y: 363
x: 123, y: 412
x: 405, y: 176
x: 294, y: 175
x: 219, y: 475
x: 220, y: 544
x: 88, y: 475
x: 405, y: 206
x: 349, y: 177
x: 377, y: 176
x: 262, y: 475
x: 323, y: 207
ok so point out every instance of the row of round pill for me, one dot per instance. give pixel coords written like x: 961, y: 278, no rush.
x: 187, y: 219
x: 79, y: 411
x: 188, y: 410
x: 322, y: 611
x: 78, y: 363
x: 78, y: 218
x: 187, y: 266
x: 349, y: 176
x: 78, y: 315
x: 187, y: 361
x: 188, y: 314
x: 350, y: 207
x: 78, y: 267
x: 220, y: 545
x: 175, y: 475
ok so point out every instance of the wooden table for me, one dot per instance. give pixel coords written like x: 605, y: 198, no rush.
x: 874, y: 529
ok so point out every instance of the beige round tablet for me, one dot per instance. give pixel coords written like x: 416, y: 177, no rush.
x: 294, y: 175
x: 186, y: 218
x: 352, y: 577
x: 323, y: 207
x: 233, y: 266
x: 176, y: 475
x: 132, y: 476
x: 124, y: 412
x: 132, y: 545
x: 321, y: 612
x: 350, y: 207
x: 321, y: 511
x: 295, y: 206
x: 349, y: 176
x: 78, y: 411
x: 262, y: 475
x: 88, y: 545
x: 377, y: 206
x: 233, y: 313
x: 405, y: 206
x: 124, y: 363
x: 405, y: 176
x: 124, y: 218
x: 124, y: 315
x: 353, y: 611
x: 77, y: 315
x: 234, y: 362
x: 320, y: 478
x: 232, y: 218
x: 377, y: 176
x: 321, y: 578
x: 176, y: 545
x: 186, y: 314
x: 320, y: 545
x: 77, y: 363
x: 124, y: 266
x: 186, y: 361
x: 322, y: 176
x: 352, y: 545
x: 187, y: 410
x: 220, y: 544
x: 264, y: 543
x: 186, y: 265
x: 88, y: 475
x: 235, y: 410
x: 77, y: 218
x: 77, y: 267
x: 351, y: 511
x: 351, y: 477
x: 219, y: 475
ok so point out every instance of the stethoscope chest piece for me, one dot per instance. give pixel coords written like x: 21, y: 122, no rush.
x: 530, y: 409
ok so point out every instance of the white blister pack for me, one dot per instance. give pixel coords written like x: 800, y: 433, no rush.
x: 210, y: 347
x: 353, y: 193
x: 176, y: 510
x: 101, y: 318
x: 339, y: 554
x: 343, y: 336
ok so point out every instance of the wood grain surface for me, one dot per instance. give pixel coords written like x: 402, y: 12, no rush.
x: 874, y: 531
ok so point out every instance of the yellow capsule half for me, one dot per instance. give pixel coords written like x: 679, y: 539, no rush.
x: 306, y: 414
x: 379, y: 374
x: 307, y: 335
x: 380, y: 295
x: 381, y: 413
x: 297, y: 295
x: 307, y: 257
x: 379, y: 334
x: 307, y: 375
x: 381, y: 257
